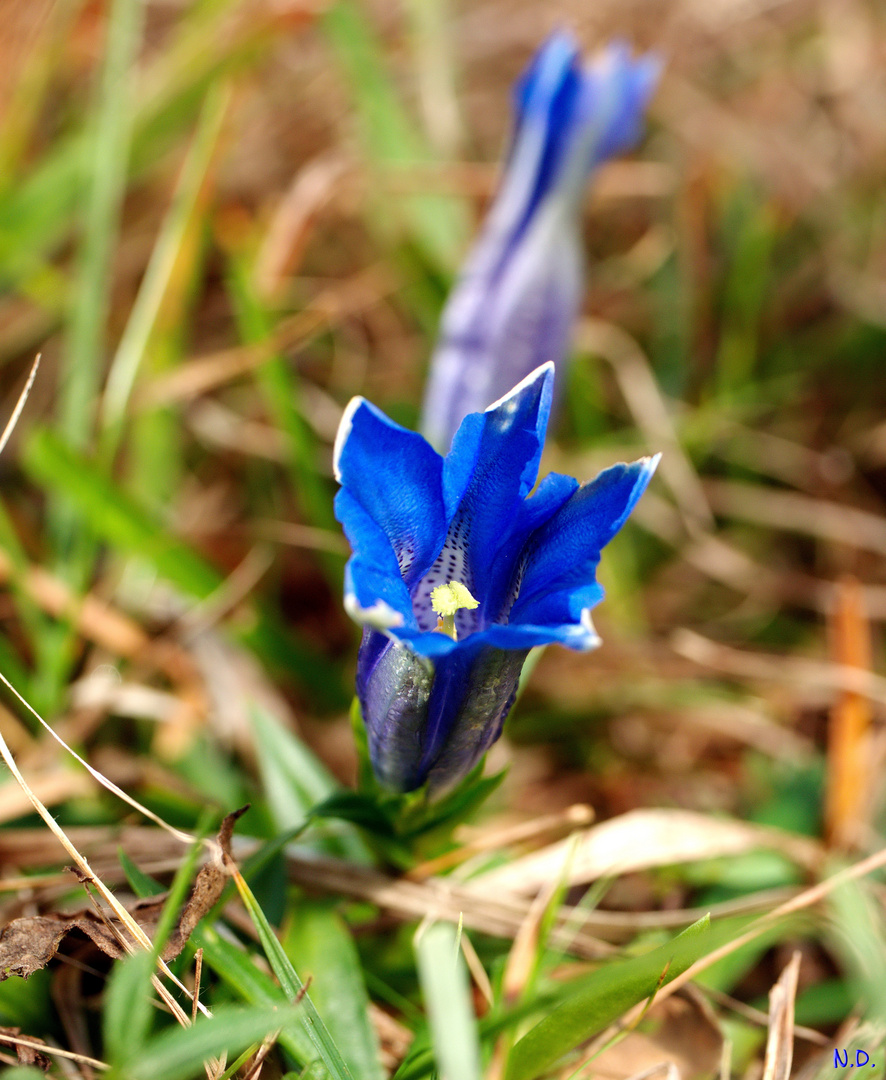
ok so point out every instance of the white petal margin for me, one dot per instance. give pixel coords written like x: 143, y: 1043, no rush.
x: 582, y: 635
x: 344, y: 430
x: 380, y: 616
x: 541, y: 370
x: 591, y: 638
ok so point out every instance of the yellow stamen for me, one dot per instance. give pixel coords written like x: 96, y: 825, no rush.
x: 446, y: 600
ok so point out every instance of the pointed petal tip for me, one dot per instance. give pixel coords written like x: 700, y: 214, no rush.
x: 560, y: 39
x: 643, y: 469
x: 592, y: 638
x: 619, y: 53
x: 344, y: 430
x: 543, y: 371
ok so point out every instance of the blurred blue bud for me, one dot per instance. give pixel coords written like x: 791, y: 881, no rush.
x: 435, y: 690
x: 516, y: 300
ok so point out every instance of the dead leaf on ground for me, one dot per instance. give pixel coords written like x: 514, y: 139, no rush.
x: 27, y: 1055
x: 780, y: 1040
x: 639, y: 840
x: 29, y: 943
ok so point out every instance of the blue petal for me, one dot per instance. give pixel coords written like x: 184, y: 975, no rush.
x: 526, y: 321
x: 474, y: 690
x: 491, y: 469
x: 394, y: 687
x: 375, y: 593
x: 495, y: 454
x: 615, y: 93
x: 394, y: 477
x: 575, y: 632
x: 486, y: 477
x: 547, y: 97
x: 559, y: 580
x: 504, y: 570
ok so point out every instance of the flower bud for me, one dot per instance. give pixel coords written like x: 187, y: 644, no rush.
x: 515, y: 302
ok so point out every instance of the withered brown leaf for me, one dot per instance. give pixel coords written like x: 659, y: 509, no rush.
x: 27, y: 1055
x: 29, y: 943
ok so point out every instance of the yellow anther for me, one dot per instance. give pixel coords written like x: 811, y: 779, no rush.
x: 446, y: 600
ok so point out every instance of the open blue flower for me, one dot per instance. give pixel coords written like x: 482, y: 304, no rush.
x: 515, y: 302
x: 433, y: 703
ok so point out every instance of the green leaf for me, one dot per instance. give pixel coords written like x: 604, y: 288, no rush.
x: 438, y: 225
x: 282, y: 392
x: 421, y: 818
x: 114, y: 517
x: 142, y: 884
x: 322, y: 944
x: 368, y: 812
x: 447, y: 993
x: 25, y: 1003
x: 602, y: 998
x: 295, y: 781
x: 109, y: 156
x: 129, y: 1008
x: 251, y: 984
x: 36, y: 214
x: 178, y: 1054
x: 161, y: 268
x: 293, y: 987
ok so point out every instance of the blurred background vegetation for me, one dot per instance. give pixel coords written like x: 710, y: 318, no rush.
x: 219, y: 220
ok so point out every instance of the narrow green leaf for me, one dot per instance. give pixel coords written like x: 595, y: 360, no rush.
x: 129, y: 1008
x: 293, y: 987
x: 252, y: 985
x: 37, y: 214
x: 318, y: 939
x: 142, y: 884
x: 447, y: 993
x: 280, y: 387
x: 116, y: 518
x: 146, y: 309
x: 602, y: 998
x: 294, y: 781
x: 390, y: 137
x: 25, y: 1003
x: 109, y: 160
x: 178, y: 1054
x: 84, y: 352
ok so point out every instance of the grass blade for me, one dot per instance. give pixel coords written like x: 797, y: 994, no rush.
x: 110, y: 157
x: 447, y: 994
x: 295, y: 781
x: 143, y: 317
x: 318, y: 936
x: 133, y: 530
x: 602, y: 998
x: 179, y: 1054
x: 239, y: 970
x: 438, y: 224
x: 293, y: 987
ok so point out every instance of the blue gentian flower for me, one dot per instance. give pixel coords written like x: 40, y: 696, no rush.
x: 516, y: 300
x: 435, y: 701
